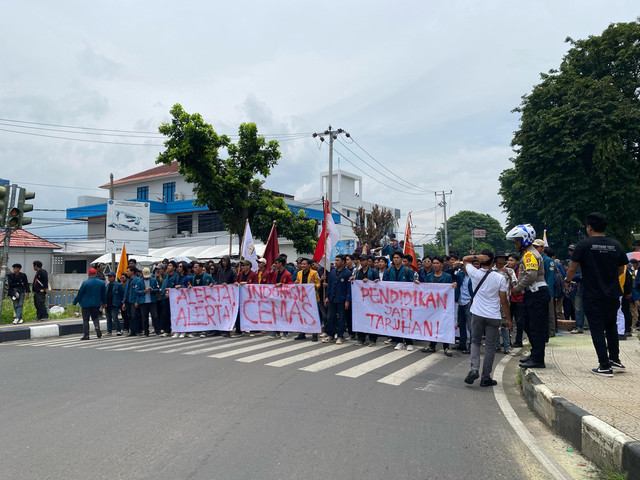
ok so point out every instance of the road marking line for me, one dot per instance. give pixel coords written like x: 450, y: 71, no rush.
x: 186, y: 347
x: 220, y: 346
x: 110, y: 343
x: 332, y: 362
x: 306, y: 355
x: 273, y: 353
x: 400, y: 376
x: 366, y: 367
x: 169, y: 344
x: 551, y: 465
x: 238, y: 351
x: 48, y: 343
x: 137, y: 344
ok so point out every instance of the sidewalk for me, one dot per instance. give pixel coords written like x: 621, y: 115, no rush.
x: 567, y: 395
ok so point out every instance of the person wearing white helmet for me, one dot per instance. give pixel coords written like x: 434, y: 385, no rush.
x: 535, y: 291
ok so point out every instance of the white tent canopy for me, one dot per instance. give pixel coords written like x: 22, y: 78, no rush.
x: 156, y: 255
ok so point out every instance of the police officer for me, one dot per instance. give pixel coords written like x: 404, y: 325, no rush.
x: 535, y: 291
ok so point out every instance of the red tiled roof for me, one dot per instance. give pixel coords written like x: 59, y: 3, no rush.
x: 159, y: 171
x: 24, y: 239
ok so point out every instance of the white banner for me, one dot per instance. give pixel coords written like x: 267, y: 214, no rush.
x: 424, y: 311
x: 197, y: 309
x: 128, y: 223
x: 288, y: 308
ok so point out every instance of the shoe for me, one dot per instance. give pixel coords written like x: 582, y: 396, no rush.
x: 372, y: 343
x: 314, y: 337
x: 20, y: 321
x: 552, y: 335
x: 203, y: 335
x: 621, y: 337
x: 273, y: 335
x: 301, y: 336
x: 458, y: 347
x: 511, y: 353
x: 236, y: 335
x: 429, y: 349
x: 409, y: 348
x: 447, y: 352
x: 525, y: 358
x: 227, y: 334
x: 108, y: 334
x: 98, y: 333
x: 175, y: 335
x: 146, y: 334
x: 531, y: 364
x: 488, y: 382
x: 617, y: 366
x: 327, y: 340
x: 131, y: 335
x: 471, y: 377
x: 182, y: 335
x: 339, y: 341
x: 576, y: 330
x: 467, y: 351
x: 400, y: 346
x: 498, y: 348
x: 15, y: 321
x: 284, y: 336
x: 604, y: 372
x: 516, y: 345
x: 388, y: 341
x: 627, y: 334
x: 118, y: 334
x: 252, y: 334
x: 352, y: 337
x: 84, y: 338
x: 359, y: 343
x: 323, y: 335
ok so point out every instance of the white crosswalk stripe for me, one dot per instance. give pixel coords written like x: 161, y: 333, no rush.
x: 130, y: 344
x: 371, y: 365
x: 221, y: 346
x: 306, y: 355
x: 273, y: 353
x: 337, y: 360
x: 170, y: 344
x: 239, y: 351
x: 400, y: 376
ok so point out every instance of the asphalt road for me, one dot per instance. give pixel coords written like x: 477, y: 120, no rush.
x: 107, y: 409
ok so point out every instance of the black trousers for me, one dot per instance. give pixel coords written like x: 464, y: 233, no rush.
x: 536, y: 319
x: 517, y: 317
x: 145, y: 310
x: 165, y: 319
x: 94, y: 314
x: 39, y: 301
x: 603, y: 315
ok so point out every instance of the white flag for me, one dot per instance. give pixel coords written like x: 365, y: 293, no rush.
x: 249, y: 249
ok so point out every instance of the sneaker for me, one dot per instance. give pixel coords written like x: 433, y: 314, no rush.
x: 621, y: 337
x: 576, y: 330
x: 359, y: 343
x: 409, y: 348
x: 182, y: 335
x: 488, y: 382
x: 118, y: 334
x: 339, y: 341
x: 327, y: 340
x: 98, y: 333
x: 15, y: 321
x: 165, y: 334
x: 617, y: 366
x: 447, y: 352
x: 236, y: 335
x: 471, y: 377
x: 605, y: 372
x: 20, y: 321
x: 388, y: 341
x: 517, y: 345
x: 175, y: 335
x: 108, y: 334
x: 511, y: 353
x: 284, y: 336
x: 323, y: 335
x: 273, y: 335
x: 203, y: 335
x: 314, y: 337
x: 301, y: 336
x: 372, y: 343
x: 400, y: 346
x: 429, y: 349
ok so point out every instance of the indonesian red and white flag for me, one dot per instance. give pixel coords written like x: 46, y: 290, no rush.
x: 408, y: 244
x: 328, y: 239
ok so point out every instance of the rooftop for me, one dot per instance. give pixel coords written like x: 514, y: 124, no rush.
x: 159, y: 171
x: 25, y: 239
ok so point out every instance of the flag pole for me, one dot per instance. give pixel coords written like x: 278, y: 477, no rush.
x: 244, y: 234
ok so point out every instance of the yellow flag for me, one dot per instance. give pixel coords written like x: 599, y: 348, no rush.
x: 122, y: 266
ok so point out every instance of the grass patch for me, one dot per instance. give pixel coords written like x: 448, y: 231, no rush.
x: 612, y: 475
x: 29, y: 311
x: 519, y: 377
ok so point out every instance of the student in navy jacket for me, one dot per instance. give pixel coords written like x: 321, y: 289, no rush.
x: 147, y: 301
x: 114, y: 292
x: 398, y: 272
x: 91, y: 297
x: 131, y: 300
x: 336, y: 300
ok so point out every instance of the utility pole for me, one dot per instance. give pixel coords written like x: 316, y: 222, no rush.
x: 112, y: 197
x: 443, y: 204
x: 333, y: 135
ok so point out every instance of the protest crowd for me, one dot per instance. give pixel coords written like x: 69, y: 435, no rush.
x: 502, y: 300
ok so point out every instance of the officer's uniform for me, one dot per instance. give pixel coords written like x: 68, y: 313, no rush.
x: 535, y: 302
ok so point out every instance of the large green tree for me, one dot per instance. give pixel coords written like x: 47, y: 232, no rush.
x: 233, y: 186
x: 460, y: 229
x: 578, y: 145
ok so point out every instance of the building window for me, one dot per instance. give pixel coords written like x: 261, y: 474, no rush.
x: 168, y: 191
x: 348, y: 213
x: 185, y: 224
x: 210, y: 222
x: 143, y: 193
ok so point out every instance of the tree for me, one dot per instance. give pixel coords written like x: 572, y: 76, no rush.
x: 578, y: 145
x: 371, y: 227
x: 460, y: 229
x: 233, y: 186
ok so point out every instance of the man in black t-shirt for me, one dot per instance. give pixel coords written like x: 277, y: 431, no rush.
x: 602, y: 260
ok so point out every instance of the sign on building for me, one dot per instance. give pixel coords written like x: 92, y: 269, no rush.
x: 128, y: 223
x: 479, y: 233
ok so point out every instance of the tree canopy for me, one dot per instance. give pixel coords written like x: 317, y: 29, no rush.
x: 578, y: 145
x: 460, y: 230
x: 233, y: 186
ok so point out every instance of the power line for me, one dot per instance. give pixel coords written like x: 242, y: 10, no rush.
x: 81, y: 139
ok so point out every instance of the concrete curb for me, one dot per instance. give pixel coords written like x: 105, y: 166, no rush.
x: 26, y: 332
x: 604, y: 445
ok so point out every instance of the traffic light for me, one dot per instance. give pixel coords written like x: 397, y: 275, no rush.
x: 25, y: 207
x: 5, y: 194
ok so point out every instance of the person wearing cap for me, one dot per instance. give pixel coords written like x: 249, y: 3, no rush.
x: 91, y: 296
x: 391, y: 247
x: 263, y: 273
x: 307, y: 275
x: 535, y: 291
x: 114, y: 292
x: 18, y: 289
x: 575, y: 292
x: 147, y: 301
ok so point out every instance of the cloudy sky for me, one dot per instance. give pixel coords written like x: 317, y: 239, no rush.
x: 424, y: 87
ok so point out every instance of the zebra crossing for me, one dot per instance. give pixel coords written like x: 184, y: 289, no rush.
x: 304, y: 356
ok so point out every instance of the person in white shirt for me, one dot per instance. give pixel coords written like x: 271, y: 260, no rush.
x: 489, y: 294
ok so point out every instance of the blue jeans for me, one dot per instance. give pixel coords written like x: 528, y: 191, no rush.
x: 578, y: 307
x: 112, y: 316
x: 464, y: 321
x: 17, y: 304
x: 506, y: 339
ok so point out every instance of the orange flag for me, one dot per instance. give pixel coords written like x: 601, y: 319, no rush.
x: 408, y: 244
x: 122, y: 266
